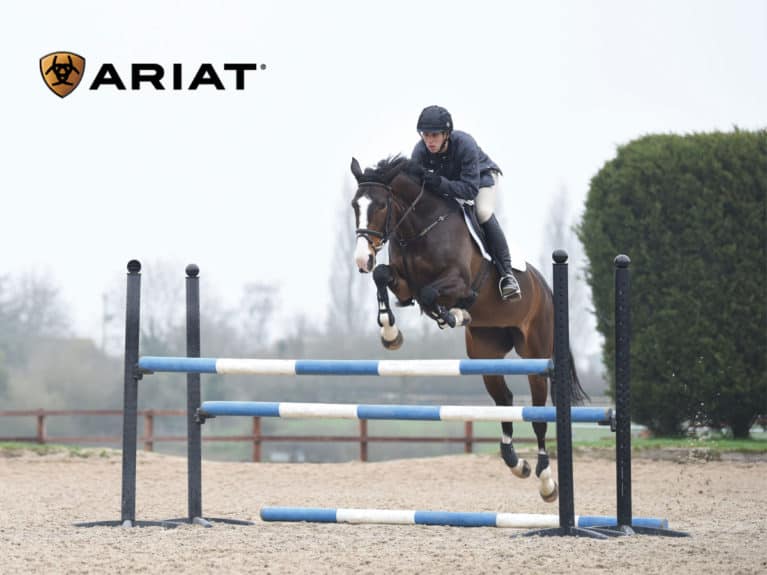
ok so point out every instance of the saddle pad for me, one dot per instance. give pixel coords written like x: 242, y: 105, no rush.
x: 517, y: 257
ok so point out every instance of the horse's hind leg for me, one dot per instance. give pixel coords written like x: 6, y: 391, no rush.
x: 495, y: 343
x: 499, y: 391
x: 548, y: 485
x: 537, y: 345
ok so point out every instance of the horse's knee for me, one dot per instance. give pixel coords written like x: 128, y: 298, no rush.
x: 382, y: 275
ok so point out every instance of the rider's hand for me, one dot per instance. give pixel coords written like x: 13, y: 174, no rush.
x: 432, y: 182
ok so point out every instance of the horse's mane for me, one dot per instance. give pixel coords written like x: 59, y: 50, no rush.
x: 389, y: 168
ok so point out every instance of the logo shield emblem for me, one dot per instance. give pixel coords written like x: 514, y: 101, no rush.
x: 62, y: 71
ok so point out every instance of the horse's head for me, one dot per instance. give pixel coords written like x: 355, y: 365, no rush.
x: 386, y: 196
x: 372, y: 215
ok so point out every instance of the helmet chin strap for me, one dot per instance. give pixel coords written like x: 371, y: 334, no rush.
x: 443, y: 147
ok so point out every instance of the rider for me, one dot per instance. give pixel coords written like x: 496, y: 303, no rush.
x: 458, y: 168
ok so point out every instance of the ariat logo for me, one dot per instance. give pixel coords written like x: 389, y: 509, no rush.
x: 62, y: 71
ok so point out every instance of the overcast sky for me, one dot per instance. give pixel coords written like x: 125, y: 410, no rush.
x: 247, y: 183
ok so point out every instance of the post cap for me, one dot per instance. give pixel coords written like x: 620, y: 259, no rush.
x: 560, y: 256
x: 134, y: 266
x: 192, y: 270
x: 622, y: 261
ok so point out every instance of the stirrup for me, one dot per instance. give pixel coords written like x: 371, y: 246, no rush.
x: 511, y: 290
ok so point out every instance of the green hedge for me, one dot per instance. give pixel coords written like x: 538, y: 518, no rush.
x: 691, y: 212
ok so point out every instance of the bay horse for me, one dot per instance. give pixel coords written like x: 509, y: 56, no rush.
x: 434, y: 261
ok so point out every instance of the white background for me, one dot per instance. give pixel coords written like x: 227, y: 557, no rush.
x: 247, y: 184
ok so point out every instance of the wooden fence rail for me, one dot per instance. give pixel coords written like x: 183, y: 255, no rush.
x: 256, y: 437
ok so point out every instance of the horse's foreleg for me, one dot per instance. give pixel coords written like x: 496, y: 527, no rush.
x: 391, y: 336
x: 453, y: 317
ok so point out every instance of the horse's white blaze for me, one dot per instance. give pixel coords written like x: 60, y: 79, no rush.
x: 547, y: 482
x: 388, y: 332
x: 362, y: 254
x: 362, y: 251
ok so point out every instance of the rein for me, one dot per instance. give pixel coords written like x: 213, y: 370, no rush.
x: 387, y: 233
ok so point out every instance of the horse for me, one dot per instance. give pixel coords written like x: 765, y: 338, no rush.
x: 433, y: 261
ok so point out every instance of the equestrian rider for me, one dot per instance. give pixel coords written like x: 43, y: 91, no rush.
x: 457, y: 168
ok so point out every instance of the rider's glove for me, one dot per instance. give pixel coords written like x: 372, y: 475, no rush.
x: 432, y: 182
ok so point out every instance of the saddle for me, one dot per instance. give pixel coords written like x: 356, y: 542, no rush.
x: 475, y: 229
x: 478, y: 235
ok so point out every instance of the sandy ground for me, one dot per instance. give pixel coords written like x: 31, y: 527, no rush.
x: 723, y: 504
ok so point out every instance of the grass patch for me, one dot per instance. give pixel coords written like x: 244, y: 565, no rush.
x: 723, y: 445
x: 16, y: 449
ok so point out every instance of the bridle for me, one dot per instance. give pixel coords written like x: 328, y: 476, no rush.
x: 387, y: 233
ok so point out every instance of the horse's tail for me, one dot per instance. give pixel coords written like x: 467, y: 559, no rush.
x: 577, y: 394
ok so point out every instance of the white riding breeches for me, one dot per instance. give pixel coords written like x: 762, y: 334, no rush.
x: 485, y: 202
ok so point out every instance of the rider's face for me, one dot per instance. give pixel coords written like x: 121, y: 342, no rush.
x: 434, y: 140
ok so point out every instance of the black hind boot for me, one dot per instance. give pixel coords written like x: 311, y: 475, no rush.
x: 499, y: 249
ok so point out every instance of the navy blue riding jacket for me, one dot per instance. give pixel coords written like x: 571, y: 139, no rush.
x: 464, y: 167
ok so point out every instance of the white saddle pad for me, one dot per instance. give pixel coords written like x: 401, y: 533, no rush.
x: 517, y: 255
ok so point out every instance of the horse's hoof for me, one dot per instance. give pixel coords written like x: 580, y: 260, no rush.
x: 551, y: 497
x: 395, y: 344
x: 522, y: 469
x: 462, y: 317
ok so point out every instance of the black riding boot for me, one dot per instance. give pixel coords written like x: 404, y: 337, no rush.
x: 499, y: 249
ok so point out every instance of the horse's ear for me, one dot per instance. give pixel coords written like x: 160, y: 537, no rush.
x: 356, y: 170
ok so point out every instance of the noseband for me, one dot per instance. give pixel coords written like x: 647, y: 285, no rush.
x: 387, y: 233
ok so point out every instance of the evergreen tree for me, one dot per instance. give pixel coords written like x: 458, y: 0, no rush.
x: 690, y: 211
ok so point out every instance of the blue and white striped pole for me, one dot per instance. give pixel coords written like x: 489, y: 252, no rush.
x: 400, y: 412
x: 412, y: 367
x: 446, y: 518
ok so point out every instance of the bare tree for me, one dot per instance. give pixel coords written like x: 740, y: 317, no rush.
x: 30, y: 308
x: 258, y: 305
x: 36, y: 307
x: 352, y: 295
x: 163, y: 316
x: 560, y: 234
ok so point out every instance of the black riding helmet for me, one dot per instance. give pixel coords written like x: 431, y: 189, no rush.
x: 435, y: 119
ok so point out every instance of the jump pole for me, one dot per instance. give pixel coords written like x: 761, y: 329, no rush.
x: 568, y: 523
x: 443, y: 518
x: 132, y: 375
x: 561, y: 377
x: 193, y: 400
x: 626, y: 524
x: 567, y: 526
x: 388, y: 412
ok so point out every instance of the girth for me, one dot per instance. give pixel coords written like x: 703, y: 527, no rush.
x: 465, y: 303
